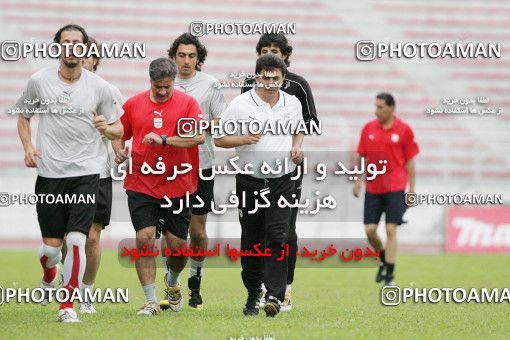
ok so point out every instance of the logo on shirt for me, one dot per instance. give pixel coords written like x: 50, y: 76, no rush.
x: 394, y: 138
x: 158, y: 122
x: 371, y: 137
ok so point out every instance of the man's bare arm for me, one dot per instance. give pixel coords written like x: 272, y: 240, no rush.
x: 25, y: 136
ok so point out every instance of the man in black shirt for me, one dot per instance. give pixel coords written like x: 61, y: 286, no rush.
x: 297, y: 86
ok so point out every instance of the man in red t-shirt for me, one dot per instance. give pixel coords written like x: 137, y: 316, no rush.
x: 155, y: 120
x: 386, y: 141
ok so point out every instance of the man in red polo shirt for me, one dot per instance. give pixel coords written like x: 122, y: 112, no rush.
x: 389, y: 139
x: 153, y: 119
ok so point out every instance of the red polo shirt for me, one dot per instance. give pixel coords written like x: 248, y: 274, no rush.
x: 396, y: 145
x: 142, y: 116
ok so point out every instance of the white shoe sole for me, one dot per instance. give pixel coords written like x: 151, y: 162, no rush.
x: 286, y: 308
x: 176, y: 308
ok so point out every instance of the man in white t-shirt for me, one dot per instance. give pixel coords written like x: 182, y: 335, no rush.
x: 78, y: 111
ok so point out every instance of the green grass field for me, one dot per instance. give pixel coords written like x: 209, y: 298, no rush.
x: 328, y: 304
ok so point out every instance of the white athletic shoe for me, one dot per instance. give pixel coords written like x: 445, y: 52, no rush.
x: 67, y: 315
x: 262, y: 296
x: 287, y: 303
x: 45, y: 285
x: 149, y: 308
x: 173, y: 298
x: 87, y: 308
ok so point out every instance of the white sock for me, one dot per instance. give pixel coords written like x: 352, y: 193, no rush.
x: 172, y: 278
x: 150, y: 292
x: 196, y: 268
x: 75, y: 245
x: 49, y: 257
x: 84, y: 288
x: 54, y: 254
x: 74, y: 264
x: 165, y: 265
x: 289, y: 288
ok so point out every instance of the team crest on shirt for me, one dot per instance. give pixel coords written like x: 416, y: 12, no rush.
x: 371, y: 137
x: 394, y: 138
x: 158, y: 121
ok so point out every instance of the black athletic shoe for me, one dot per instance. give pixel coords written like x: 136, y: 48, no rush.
x: 381, y: 273
x: 252, y: 303
x: 195, y: 300
x: 272, y: 306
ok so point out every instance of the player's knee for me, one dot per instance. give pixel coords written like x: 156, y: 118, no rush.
x: 174, y: 242
x: 146, y: 236
x: 53, y: 242
x: 197, y: 231
x: 198, y: 222
x: 75, y: 238
x: 371, y: 231
x: 198, y: 236
x: 94, y: 237
x: 179, y: 242
x: 391, y: 231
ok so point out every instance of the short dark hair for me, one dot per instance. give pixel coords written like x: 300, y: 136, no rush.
x: 71, y: 27
x: 388, y: 98
x: 188, y: 39
x: 267, y: 39
x: 161, y: 68
x: 269, y: 62
x: 92, y: 41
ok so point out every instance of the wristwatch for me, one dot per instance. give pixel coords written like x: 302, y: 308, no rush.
x: 164, y: 138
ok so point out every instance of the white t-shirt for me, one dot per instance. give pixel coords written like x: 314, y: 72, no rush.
x: 110, y: 161
x: 271, y: 148
x: 69, y: 143
x: 212, y: 103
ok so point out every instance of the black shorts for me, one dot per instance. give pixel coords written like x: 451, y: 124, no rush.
x: 146, y: 211
x: 205, y: 191
x: 393, y: 204
x: 57, y: 219
x: 104, y: 202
